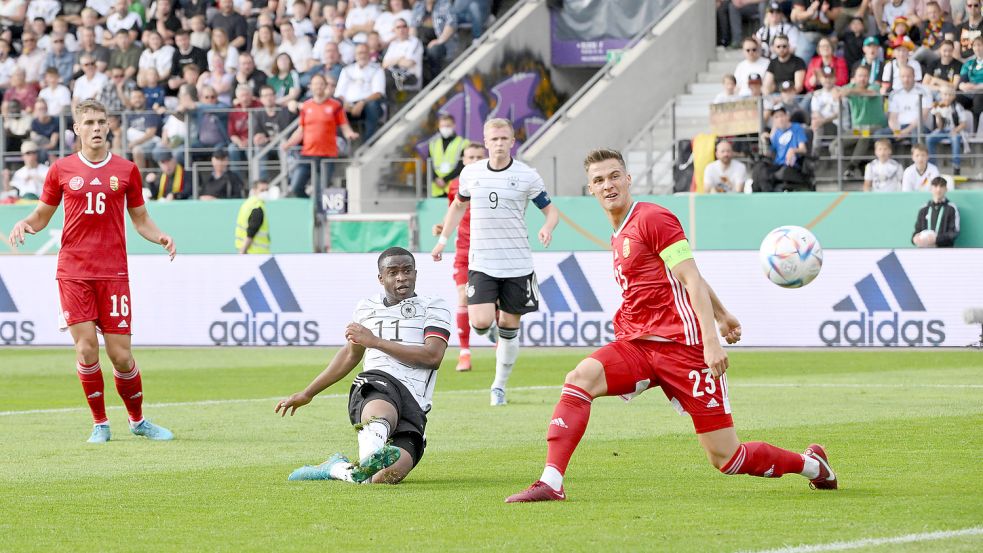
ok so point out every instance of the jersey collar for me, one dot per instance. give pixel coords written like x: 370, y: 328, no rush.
x: 628, y: 216
x: 96, y: 165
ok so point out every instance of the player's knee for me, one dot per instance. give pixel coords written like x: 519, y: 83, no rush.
x: 121, y: 358
x: 87, y: 350
x: 588, y: 375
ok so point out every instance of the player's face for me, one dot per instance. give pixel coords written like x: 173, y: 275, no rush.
x: 472, y: 155
x: 608, y: 181
x: 499, y: 141
x: 92, y: 128
x: 398, y: 277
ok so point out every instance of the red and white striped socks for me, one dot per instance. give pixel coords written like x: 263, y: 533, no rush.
x: 130, y: 388
x: 94, y: 388
x: 765, y: 460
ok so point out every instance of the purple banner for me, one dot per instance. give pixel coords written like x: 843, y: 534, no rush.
x: 581, y: 53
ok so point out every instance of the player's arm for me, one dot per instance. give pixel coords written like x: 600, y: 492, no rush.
x: 427, y: 357
x: 552, y: 214
x: 343, y: 362
x: 679, y: 260
x: 148, y: 229
x: 453, y: 218
x: 32, y: 224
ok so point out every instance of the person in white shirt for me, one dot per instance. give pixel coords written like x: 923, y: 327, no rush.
x: 402, y: 337
x: 55, y: 95
x: 918, y: 176
x: 725, y: 174
x: 361, y: 19
x: 303, y: 26
x: 883, y: 174
x: 776, y: 25
x: 386, y: 22
x: 361, y: 89
x: 45, y: 9
x: 752, y: 63
x: 403, y: 60
x: 29, y: 179
x: 729, y: 93
x: 297, y: 47
x: 157, y: 56
x: 31, y: 58
x: 908, y: 107
x: 90, y: 84
x: 825, y: 106
x: 501, y: 273
x: 891, y: 77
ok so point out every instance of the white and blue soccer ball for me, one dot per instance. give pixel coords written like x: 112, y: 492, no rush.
x: 791, y: 256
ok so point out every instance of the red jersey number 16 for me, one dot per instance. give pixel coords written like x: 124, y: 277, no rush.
x: 620, y: 278
x: 95, y: 203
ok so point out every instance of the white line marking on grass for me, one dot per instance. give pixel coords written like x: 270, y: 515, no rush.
x: 480, y: 391
x: 869, y: 542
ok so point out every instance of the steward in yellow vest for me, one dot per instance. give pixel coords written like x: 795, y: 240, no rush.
x: 252, y: 224
x: 446, y: 152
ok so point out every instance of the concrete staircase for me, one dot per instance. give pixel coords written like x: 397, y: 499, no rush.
x: 650, y: 153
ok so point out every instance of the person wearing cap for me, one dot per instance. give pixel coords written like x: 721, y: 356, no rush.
x: 891, y: 79
x: 221, y: 183
x: 787, y: 99
x: 815, y: 18
x: 172, y: 183
x: 899, y: 37
x: 825, y: 108
x: 872, y: 60
x: 887, y: 12
x: 825, y: 57
x: 755, y: 89
x: 775, y: 25
x: 29, y: 179
x: 937, y: 223
x: 252, y: 225
x: 785, y: 66
x: 943, y: 72
x: 752, y: 63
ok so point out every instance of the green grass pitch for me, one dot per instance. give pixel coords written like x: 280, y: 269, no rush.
x: 904, y: 430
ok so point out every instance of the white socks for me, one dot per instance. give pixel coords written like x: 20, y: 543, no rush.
x: 505, y: 355
x: 342, y: 471
x: 552, y: 478
x: 372, y: 437
x: 811, y: 468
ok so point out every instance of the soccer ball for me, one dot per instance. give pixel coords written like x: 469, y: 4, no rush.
x: 791, y: 257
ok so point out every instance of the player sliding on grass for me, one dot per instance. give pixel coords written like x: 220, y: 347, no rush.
x: 93, y: 282
x: 664, y: 336
x: 402, y: 337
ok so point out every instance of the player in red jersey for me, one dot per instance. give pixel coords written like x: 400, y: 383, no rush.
x: 664, y: 336
x: 93, y: 282
x: 472, y: 152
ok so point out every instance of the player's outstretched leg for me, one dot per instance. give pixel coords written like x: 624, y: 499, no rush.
x: 337, y: 467
x: 378, y: 417
x: 566, y: 428
x: 730, y: 456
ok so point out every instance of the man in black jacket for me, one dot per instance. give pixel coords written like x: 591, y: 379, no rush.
x: 937, y: 225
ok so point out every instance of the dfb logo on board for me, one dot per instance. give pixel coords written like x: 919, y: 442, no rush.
x: 879, y: 323
x: 14, y: 328
x: 262, y: 324
x: 560, y: 324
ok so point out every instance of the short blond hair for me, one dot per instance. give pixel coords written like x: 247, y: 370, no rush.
x: 90, y: 104
x: 603, y: 154
x: 499, y: 123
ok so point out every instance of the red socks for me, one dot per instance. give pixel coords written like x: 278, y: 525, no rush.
x: 93, y: 386
x: 463, y: 327
x: 130, y: 388
x: 567, y: 426
x: 762, y: 459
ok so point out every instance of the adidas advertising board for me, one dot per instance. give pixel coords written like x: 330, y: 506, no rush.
x: 862, y: 298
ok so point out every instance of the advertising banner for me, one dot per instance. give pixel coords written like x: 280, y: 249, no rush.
x: 862, y: 298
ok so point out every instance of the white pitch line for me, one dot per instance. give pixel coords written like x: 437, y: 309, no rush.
x: 871, y: 542
x: 481, y: 391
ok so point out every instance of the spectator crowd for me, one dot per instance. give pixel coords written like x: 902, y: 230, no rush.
x: 213, y: 80
x: 849, y: 76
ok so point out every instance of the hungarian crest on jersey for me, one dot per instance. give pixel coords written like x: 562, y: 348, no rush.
x: 113, y: 183
x: 625, y: 248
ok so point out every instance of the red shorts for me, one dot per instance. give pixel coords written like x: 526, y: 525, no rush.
x: 107, y: 302
x: 461, y: 268
x: 631, y: 367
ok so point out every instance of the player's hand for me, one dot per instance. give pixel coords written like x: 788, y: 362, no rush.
x: 715, y: 358
x: 437, y: 252
x: 168, y: 244
x: 291, y: 404
x: 437, y: 229
x: 17, y: 233
x: 545, y: 237
x: 358, y: 334
x: 730, y: 328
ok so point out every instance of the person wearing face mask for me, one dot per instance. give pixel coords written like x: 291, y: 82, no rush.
x: 446, y: 155
x: 252, y: 224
